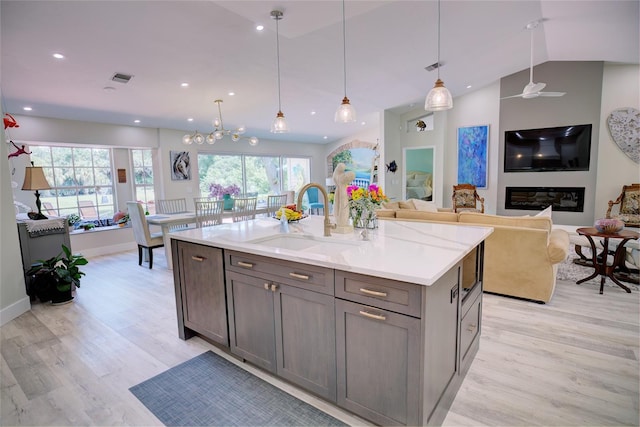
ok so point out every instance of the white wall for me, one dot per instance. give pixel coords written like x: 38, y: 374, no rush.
x: 13, y: 296
x: 620, y: 88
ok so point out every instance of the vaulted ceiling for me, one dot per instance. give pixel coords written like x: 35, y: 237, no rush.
x: 214, y: 47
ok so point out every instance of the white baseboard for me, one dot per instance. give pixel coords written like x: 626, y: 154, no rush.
x: 19, y: 307
x: 106, y: 250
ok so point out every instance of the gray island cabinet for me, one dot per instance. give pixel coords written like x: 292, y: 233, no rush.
x: 391, y: 351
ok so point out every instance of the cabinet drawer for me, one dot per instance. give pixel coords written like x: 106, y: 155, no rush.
x: 319, y: 279
x: 470, y: 326
x: 401, y: 297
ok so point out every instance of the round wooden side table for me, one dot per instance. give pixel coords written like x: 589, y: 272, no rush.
x: 600, y: 265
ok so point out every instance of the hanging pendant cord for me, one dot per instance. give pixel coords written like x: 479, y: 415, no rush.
x: 531, y: 59
x: 220, y: 115
x: 438, y: 39
x: 278, y: 59
x: 344, y: 50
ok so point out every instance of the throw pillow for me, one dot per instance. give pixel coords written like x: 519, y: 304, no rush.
x: 423, y: 205
x: 407, y: 205
x: 391, y: 205
x: 547, y: 212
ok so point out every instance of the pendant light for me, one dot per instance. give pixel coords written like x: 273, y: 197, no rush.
x: 439, y: 98
x: 345, y: 112
x: 279, y: 125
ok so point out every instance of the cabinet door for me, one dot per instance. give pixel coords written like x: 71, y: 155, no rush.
x: 378, y: 364
x: 203, y: 292
x: 251, y: 319
x: 305, y: 339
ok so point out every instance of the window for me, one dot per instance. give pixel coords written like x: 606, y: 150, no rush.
x: 143, y: 179
x: 260, y: 175
x: 81, y: 181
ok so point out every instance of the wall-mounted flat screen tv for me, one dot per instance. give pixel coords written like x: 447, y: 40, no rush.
x: 564, y: 148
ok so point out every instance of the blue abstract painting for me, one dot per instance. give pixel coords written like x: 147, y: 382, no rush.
x: 473, y: 144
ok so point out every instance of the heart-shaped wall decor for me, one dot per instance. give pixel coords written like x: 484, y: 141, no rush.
x: 624, y: 127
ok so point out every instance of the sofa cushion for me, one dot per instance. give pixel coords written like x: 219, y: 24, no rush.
x: 386, y: 213
x: 408, y: 204
x: 427, y: 216
x: 423, y: 205
x: 537, y: 222
x: 545, y: 212
x: 391, y: 205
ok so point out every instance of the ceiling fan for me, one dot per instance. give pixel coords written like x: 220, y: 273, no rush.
x: 533, y: 90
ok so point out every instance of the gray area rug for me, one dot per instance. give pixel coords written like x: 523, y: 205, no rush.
x: 211, y: 391
x: 568, y: 271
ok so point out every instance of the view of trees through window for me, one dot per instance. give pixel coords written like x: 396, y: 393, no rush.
x: 255, y: 175
x: 81, y: 181
x: 143, y: 179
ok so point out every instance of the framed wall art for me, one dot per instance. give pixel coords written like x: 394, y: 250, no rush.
x: 180, y: 166
x: 473, y: 147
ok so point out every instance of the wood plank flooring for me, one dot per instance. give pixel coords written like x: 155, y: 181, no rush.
x: 572, y: 362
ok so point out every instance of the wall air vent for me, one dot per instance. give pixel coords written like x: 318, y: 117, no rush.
x: 121, y: 78
x: 434, y: 66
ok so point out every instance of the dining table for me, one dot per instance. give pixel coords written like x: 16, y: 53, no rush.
x: 167, y: 220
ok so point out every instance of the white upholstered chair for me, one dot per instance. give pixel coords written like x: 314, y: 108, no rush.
x: 144, y: 238
x: 209, y: 213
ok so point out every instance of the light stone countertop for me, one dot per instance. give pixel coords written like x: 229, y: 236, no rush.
x: 415, y: 252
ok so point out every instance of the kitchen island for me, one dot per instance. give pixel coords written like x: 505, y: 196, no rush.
x: 385, y: 327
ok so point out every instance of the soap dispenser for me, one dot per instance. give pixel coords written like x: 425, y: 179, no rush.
x: 284, y: 223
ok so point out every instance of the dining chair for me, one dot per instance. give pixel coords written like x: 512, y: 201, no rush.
x: 172, y: 206
x: 209, y: 213
x: 244, y: 209
x: 274, y: 203
x: 314, y: 204
x: 143, y: 236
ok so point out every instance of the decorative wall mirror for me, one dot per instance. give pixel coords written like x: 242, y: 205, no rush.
x: 418, y: 172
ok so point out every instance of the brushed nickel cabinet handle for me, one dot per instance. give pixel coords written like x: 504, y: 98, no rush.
x: 374, y: 293
x: 471, y: 328
x: 274, y: 288
x: 299, y: 276
x: 266, y: 286
x: 197, y: 258
x: 373, y: 316
x: 245, y: 264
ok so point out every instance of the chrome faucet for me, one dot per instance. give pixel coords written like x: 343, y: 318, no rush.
x: 327, y: 224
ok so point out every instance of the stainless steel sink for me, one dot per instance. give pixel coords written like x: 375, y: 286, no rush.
x: 306, y: 243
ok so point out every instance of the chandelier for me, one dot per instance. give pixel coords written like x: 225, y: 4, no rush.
x: 219, y: 132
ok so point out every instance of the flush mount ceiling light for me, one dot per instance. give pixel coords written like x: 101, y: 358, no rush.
x: 279, y: 125
x: 218, y: 132
x: 345, y: 112
x: 439, y: 98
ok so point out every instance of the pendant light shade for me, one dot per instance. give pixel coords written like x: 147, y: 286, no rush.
x: 439, y: 98
x: 279, y: 125
x: 345, y: 112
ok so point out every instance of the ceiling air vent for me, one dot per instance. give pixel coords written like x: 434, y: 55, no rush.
x: 434, y: 66
x: 121, y: 78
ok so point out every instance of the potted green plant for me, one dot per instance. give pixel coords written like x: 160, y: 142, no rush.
x: 55, y: 278
x: 73, y: 219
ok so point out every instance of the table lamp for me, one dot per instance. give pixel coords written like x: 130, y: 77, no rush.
x: 34, y: 179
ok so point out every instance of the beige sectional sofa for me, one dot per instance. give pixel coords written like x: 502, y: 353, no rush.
x: 521, y: 255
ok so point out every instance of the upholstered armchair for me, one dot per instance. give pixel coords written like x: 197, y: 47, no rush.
x: 629, y: 210
x: 465, y: 199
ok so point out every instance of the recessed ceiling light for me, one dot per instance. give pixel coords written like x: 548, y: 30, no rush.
x: 325, y: 137
x: 136, y: 121
x: 363, y: 123
x: 185, y: 84
x: 108, y: 88
x: 468, y: 86
x: 231, y: 93
x: 27, y: 108
x: 259, y: 27
x: 190, y: 119
x: 313, y: 113
x: 58, y: 56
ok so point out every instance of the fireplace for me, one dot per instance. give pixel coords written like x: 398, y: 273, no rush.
x: 568, y: 199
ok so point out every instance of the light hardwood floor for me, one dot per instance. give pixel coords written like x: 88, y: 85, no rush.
x: 572, y: 362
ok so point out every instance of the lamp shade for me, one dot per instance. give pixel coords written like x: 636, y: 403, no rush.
x: 439, y: 98
x: 34, y: 179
